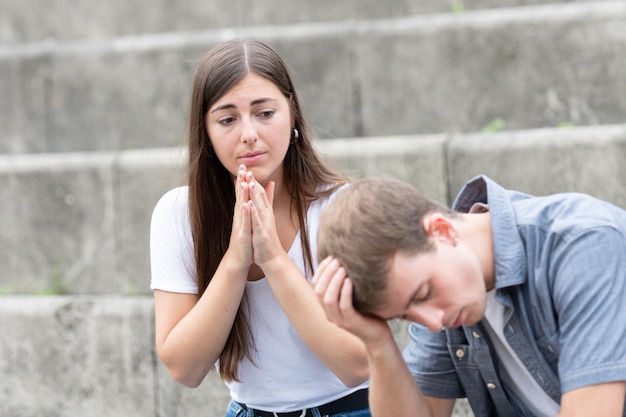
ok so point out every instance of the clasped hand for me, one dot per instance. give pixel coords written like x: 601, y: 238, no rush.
x: 253, y: 238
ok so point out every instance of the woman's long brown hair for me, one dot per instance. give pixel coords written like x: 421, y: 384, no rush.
x: 211, y: 187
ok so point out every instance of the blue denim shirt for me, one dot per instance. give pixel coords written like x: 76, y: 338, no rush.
x: 560, y: 264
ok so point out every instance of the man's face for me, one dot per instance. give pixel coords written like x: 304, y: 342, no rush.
x: 441, y: 288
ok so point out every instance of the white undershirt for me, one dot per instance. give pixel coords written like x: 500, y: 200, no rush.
x: 512, y: 371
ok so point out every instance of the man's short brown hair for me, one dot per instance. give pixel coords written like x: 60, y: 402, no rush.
x: 366, y: 224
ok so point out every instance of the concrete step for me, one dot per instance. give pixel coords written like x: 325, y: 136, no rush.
x: 78, y: 223
x: 18, y: 22
x: 94, y: 356
x: 526, y: 67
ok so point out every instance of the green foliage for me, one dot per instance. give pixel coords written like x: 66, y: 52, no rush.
x: 57, y: 285
x: 496, y: 125
x: 7, y: 290
x: 458, y: 7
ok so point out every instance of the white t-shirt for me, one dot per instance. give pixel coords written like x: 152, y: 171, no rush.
x: 513, y: 372
x: 288, y: 376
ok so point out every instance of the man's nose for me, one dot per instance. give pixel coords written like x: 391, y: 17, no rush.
x: 429, y: 316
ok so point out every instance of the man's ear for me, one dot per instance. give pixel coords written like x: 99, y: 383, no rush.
x: 439, y: 227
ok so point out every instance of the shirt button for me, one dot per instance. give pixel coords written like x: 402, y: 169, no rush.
x: 460, y: 353
x: 476, y: 335
x: 491, y: 386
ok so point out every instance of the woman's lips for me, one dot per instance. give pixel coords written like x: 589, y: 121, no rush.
x: 251, y: 158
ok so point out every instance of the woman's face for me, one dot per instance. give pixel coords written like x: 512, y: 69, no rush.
x: 251, y: 124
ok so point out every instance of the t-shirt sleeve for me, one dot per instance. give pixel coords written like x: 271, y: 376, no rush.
x: 171, y: 246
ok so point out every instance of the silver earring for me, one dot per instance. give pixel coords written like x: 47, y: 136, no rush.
x: 295, y: 135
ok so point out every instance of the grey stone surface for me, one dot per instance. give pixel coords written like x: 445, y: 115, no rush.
x: 398, y: 85
x: 531, y: 67
x: 77, y: 356
x: 57, y: 228
x: 545, y: 161
x: 94, y: 356
x: 35, y: 20
x: 91, y: 99
x: 83, y: 219
x: 211, y: 398
x: 419, y: 160
x: 25, y: 109
x: 143, y: 177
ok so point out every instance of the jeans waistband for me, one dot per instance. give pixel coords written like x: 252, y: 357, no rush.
x: 355, y: 401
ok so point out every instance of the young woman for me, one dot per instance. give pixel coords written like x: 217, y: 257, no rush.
x: 233, y: 252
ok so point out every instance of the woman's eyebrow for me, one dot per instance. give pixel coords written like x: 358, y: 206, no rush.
x: 253, y: 103
x: 223, y: 107
x: 262, y: 100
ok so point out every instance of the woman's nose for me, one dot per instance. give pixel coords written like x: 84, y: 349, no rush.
x: 248, y: 132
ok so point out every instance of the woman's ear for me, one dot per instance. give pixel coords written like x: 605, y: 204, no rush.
x: 439, y: 227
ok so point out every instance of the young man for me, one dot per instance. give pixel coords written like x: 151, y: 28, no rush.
x: 518, y: 302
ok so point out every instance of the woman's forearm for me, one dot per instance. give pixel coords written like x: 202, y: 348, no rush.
x: 191, y: 332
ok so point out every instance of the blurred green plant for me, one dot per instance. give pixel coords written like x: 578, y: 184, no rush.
x: 7, y: 290
x: 496, y: 125
x: 132, y: 291
x: 458, y: 7
x: 57, y: 285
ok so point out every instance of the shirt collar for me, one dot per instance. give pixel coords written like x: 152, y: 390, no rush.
x: 482, y: 193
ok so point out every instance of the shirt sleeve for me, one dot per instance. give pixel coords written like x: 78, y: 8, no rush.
x: 171, y: 246
x: 589, y: 293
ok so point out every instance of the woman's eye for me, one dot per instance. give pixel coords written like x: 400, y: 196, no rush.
x: 266, y: 114
x: 225, y: 121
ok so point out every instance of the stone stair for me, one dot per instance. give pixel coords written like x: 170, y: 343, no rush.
x: 529, y: 67
x: 93, y: 102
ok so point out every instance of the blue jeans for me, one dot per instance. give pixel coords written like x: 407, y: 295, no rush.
x: 237, y: 410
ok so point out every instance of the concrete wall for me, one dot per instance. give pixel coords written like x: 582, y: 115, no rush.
x: 91, y: 351
x: 88, y: 215
x: 36, y: 20
x: 530, y: 67
x: 93, y: 98
x: 77, y: 356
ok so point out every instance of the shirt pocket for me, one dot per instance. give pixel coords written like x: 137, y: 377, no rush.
x: 550, y: 350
